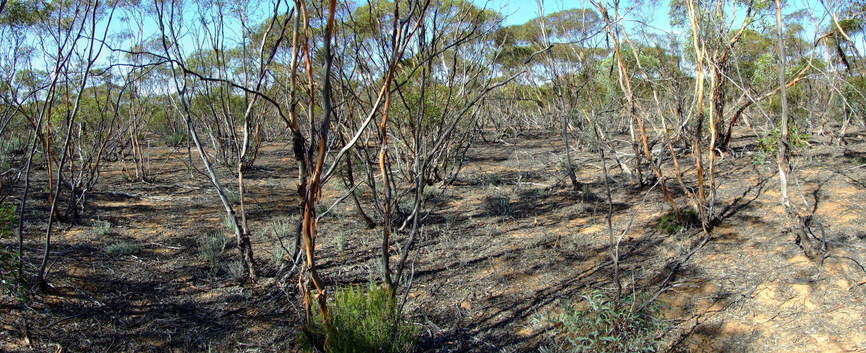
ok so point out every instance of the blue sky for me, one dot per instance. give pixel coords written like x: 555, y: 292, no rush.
x: 653, y: 12
x: 652, y: 15
x: 521, y: 11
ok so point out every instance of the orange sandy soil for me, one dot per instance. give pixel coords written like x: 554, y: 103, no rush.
x: 480, y: 277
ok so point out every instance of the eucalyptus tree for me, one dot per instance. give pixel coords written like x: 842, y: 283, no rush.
x: 20, y: 91
x: 140, y: 111
x: 16, y: 53
x: 438, y: 99
x: 633, y: 107
x: 844, y: 70
x: 567, y: 38
x: 96, y: 134
x: 71, y: 39
x: 190, y: 80
x: 231, y: 117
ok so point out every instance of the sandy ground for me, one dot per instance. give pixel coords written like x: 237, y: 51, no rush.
x: 481, y: 274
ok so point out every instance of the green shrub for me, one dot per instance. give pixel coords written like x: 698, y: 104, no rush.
x: 122, y: 248
x: 280, y: 252
x: 99, y: 229
x: 234, y: 198
x: 497, y: 202
x: 431, y: 193
x: 342, y: 238
x: 604, y: 324
x: 211, y: 248
x: 228, y: 222
x: 322, y: 208
x: 280, y: 229
x: 669, y: 223
x: 769, y: 144
x: 364, y: 319
x: 492, y: 179
x: 11, y: 147
x: 761, y: 158
x: 858, y: 160
x: 9, y: 260
x: 175, y: 140
x: 235, y: 270
x: 7, y: 220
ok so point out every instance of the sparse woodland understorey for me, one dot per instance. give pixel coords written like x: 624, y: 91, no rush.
x: 332, y: 161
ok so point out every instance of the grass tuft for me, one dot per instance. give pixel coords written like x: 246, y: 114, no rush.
x: 281, y: 230
x: 228, y: 221
x: 9, y: 261
x: 364, y: 319
x: 342, y: 239
x: 122, y: 248
x: 669, y: 223
x: 175, y: 140
x: 99, y: 229
x: 497, y: 202
x: 211, y: 248
x: 235, y: 270
x: 858, y: 160
x: 600, y: 323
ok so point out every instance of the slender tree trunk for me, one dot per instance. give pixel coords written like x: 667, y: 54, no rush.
x: 350, y: 184
x: 568, y: 162
x: 782, y: 157
x: 796, y: 223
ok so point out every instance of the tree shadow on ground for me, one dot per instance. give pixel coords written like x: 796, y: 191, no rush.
x: 142, y: 302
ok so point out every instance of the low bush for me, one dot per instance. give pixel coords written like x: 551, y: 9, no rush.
x: 13, y: 145
x: 761, y: 158
x: 769, y: 144
x: 281, y: 230
x: 9, y: 260
x: 323, y: 211
x: 122, y: 248
x: 364, y: 319
x: 99, y: 229
x: 342, y: 238
x: 856, y: 158
x: 497, y: 202
x: 175, y: 140
x: 600, y: 323
x: 12, y: 148
x: 671, y: 224
x: 211, y: 248
x: 228, y: 222
x: 235, y: 270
